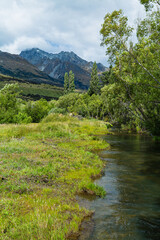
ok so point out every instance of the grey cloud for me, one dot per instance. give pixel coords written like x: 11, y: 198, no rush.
x: 56, y: 25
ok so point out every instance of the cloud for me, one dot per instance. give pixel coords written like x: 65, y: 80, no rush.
x: 56, y: 25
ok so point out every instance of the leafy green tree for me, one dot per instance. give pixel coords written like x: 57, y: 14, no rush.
x: 80, y: 107
x: 9, y: 104
x: 67, y: 101
x: 66, y: 83
x: 115, y: 34
x: 37, y: 110
x: 115, y: 104
x: 95, y: 106
x: 94, y: 82
x: 107, y: 77
x: 148, y: 4
x: 136, y: 69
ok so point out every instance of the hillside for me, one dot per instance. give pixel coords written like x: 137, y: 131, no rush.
x: 17, y: 67
x: 32, y: 91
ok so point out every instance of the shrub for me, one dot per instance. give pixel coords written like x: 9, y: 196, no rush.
x: 8, y: 103
x: 37, y: 110
x: 22, y: 118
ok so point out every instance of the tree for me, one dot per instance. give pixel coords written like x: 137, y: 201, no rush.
x: 80, y: 106
x: 69, y: 85
x: 67, y: 101
x: 94, y: 106
x: 9, y: 103
x: 71, y: 82
x: 107, y: 77
x: 136, y: 68
x: 115, y: 32
x: 148, y: 4
x: 66, y: 83
x: 94, y: 82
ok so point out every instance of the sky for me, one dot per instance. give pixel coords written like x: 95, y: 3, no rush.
x: 60, y: 25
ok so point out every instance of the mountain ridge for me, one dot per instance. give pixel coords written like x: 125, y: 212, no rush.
x: 55, y: 65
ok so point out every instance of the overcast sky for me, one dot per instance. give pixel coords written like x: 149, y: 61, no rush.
x: 60, y: 25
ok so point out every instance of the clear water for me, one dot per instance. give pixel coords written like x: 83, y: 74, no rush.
x: 131, y: 208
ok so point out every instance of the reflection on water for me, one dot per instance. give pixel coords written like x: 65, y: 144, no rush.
x: 131, y: 208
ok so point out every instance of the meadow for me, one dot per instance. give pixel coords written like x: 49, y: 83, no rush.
x: 43, y: 167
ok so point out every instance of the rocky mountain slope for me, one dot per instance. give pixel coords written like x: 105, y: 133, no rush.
x: 55, y: 65
x: 17, y: 67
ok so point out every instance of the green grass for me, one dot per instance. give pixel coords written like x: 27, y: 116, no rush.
x: 42, y: 169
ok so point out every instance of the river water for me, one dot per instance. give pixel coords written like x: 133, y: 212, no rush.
x: 131, y: 208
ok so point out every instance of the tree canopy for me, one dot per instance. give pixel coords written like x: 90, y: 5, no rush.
x: 148, y: 4
x: 136, y: 70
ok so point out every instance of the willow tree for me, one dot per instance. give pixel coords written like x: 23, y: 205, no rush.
x: 150, y: 3
x: 136, y: 66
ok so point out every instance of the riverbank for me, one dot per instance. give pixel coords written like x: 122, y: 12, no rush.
x: 42, y: 168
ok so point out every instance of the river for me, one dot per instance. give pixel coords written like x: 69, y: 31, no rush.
x: 131, y: 208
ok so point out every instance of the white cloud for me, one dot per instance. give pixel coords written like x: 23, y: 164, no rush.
x: 56, y: 25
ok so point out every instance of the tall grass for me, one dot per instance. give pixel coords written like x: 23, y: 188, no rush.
x: 42, y: 168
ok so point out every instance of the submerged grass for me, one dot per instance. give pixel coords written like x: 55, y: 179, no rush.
x: 42, y: 168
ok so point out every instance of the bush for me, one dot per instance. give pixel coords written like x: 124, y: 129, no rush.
x: 67, y: 101
x: 8, y: 103
x: 37, y: 110
x: 22, y: 118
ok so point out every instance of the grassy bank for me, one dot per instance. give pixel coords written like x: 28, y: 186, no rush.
x: 42, y: 168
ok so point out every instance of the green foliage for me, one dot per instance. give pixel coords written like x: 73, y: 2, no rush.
x: 14, y: 110
x: 69, y: 85
x: 115, y: 33
x: 71, y: 82
x: 95, y: 106
x: 57, y: 110
x: 80, y: 107
x: 148, y: 4
x: 94, y: 82
x: 132, y: 93
x: 37, y: 110
x: 107, y: 77
x: 112, y: 97
x: 22, y: 117
x: 67, y: 100
x: 8, y: 103
x: 66, y: 83
x: 82, y: 104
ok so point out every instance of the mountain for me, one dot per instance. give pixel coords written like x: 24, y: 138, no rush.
x: 55, y: 65
x: 17, y: 67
